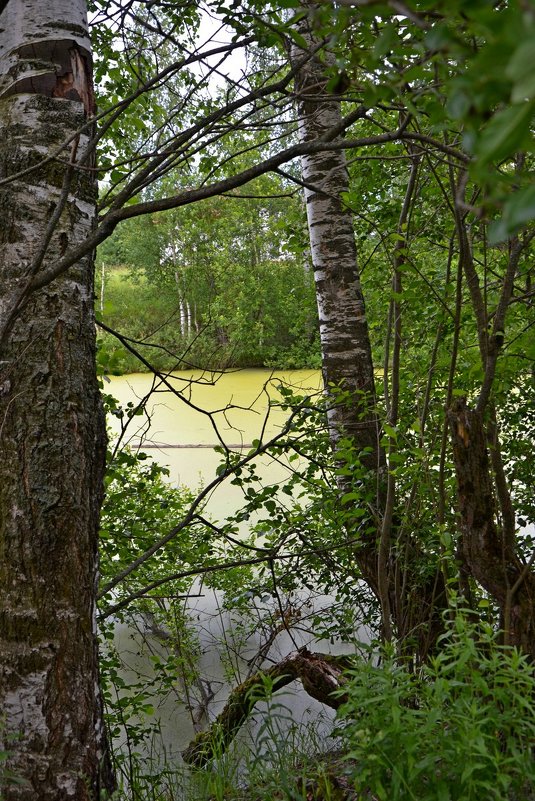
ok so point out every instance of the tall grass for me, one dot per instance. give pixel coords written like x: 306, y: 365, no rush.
x: 281, y: 761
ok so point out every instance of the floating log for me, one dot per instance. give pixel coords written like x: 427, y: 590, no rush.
x: 148, y: 445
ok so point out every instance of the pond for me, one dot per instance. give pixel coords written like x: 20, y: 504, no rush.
x: 176, y: 430
x: 181, y: 430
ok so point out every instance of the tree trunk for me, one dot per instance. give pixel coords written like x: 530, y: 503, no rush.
x: 484, y: 547
x: 347, y: 364
x: 52, y: 430
x: 183, y: 319
x: 345, y: 343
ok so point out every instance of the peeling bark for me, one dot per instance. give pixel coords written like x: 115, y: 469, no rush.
x: 39, y: 46
x: 320, y: 674
x: 52, y: 432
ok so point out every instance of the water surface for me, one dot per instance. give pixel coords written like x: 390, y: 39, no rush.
x: 180, y: 429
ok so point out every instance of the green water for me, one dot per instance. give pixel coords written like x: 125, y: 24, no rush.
x: 177, y: 432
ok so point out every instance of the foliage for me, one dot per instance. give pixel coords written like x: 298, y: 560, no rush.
x: 283, y: 765
x: 302, y: 516
x: 140, y: 507
x: 459, y: 729
x: 460, y: 69
x: 440, y: 90
x: 212, y: 286
x: 145, y: 316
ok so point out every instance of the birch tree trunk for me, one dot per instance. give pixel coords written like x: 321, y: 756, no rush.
x: 52, y: 432
x: 345, y: 344
x: 413, y: 604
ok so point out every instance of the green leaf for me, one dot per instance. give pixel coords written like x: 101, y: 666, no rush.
x: 390, y: 431
x: 442, y: 791
x: 521, y: 70
x: 518, y: 210
x: 298, y: 39
x: 505, y: 133
x: 438, y: 37
x: 498, y: 231
x: 459, y: 104
x: 524, y: 89
x: 351, y: 496
x: 386, y: 41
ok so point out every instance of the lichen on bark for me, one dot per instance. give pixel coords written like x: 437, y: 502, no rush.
x: 52, y: 434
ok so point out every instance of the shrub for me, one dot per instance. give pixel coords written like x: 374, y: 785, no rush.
x: 462, y: 729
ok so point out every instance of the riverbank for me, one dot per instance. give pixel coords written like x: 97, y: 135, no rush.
x: 139, y: 319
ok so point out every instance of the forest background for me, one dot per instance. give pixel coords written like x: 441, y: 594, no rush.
x: 361, y: 194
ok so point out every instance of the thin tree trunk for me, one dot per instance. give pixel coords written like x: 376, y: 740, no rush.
x: 183, y: 318
x: 52, y: 432
x: 485, y: 549
x: 348, y: 366
x: 188, y: 319
x: 102, y: 286
x: 346, y: 350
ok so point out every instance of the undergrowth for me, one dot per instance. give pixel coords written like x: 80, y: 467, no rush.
x: 461, y: 729
x: 281, y: 760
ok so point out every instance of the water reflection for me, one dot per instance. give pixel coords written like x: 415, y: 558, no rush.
x: 181, y: 432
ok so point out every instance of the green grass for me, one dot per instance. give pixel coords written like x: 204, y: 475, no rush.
x: 287, y: 766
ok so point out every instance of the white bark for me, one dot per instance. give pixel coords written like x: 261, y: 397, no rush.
x: 346, y: 350
x: 183, y: 317
x: 188, y: 318
x: 38, y: 43
x: 52, y: 438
